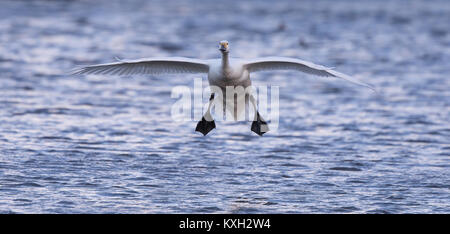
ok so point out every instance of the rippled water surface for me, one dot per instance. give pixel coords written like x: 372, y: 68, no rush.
x: 109, y: 145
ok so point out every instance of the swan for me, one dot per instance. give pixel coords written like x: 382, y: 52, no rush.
x: 221, y: 72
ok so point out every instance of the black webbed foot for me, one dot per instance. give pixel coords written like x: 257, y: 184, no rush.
x: 259, y: 126
x: 205, y: 126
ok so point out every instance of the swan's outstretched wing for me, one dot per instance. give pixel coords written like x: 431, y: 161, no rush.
x: 147, y: 66
x: 281, y: 63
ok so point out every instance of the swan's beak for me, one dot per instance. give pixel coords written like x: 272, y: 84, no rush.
x: 223, y: 46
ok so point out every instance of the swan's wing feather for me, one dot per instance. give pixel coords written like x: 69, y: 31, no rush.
x: 146, y: 66
x: 281, y: 63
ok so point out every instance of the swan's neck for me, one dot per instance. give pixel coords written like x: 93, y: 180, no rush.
x: 225, y: 61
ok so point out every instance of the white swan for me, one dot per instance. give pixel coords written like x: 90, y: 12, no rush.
x: 221, y: 73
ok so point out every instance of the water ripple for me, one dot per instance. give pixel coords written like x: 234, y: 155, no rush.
x: 100, y: 144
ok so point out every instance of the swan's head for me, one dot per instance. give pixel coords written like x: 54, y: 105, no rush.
x: 223, y: 46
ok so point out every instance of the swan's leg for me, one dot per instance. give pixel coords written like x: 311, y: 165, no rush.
x: 259, y: 125
x: 207, y: 123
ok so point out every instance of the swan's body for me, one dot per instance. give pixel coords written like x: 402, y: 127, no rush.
x: 221, y: 72
x: 233, y: 75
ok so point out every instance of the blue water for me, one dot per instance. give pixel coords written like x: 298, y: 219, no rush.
x: 99, y: 144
